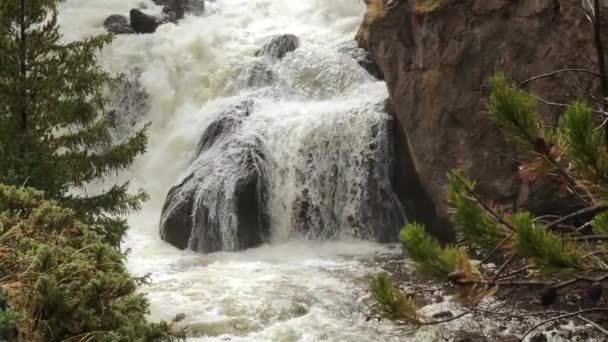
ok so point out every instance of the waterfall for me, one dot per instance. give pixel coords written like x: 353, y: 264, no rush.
x: 291, y: 152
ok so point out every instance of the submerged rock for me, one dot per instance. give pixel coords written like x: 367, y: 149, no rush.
x: 118, y: 24
x: 279, y: 46
x: 222, y: 203
x: 259, y: 75
x: 143, y: 23
x: 364, y: 58
x: 181, y: 7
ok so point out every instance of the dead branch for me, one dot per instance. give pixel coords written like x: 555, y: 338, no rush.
x: 553, y: 73
x: 586, y: 211
x: 561, y: 317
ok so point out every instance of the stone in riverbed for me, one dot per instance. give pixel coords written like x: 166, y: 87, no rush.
x: 118, y: 24
x: 143, y: 23
x: 222, y: 203
x: 279, y: 46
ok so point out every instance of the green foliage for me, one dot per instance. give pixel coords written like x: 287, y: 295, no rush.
x: 67, y: 281
x: 391, y: 302
x: 515, y: 113
x: 55, y: 134
x: 584, y: 147
x: 429, y: 256
x: 600, y: 224
x: 548, y: 251
x: 472, y: 223
x: 577, y: 153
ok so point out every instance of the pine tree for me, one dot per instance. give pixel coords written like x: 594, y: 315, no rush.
x: 530, y: 249
x: 55, y: 134
x: 60, y: 282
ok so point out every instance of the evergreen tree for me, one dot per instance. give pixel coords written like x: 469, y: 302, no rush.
x: 55, y: 134
x: 553, y: 254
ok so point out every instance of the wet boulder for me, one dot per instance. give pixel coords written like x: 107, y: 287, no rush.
x: 364, y: 58
x: 143, y: 23
x: 222, y: 202
x: 118, y: 24
x: 279, y: 46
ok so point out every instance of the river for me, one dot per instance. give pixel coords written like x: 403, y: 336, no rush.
x: 320, y: 110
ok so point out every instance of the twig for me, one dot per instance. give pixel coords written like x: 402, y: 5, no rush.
x: 587, y: 211
x: 503, y: 267
x: 453, y: 318
x: 499, y: 246
x: 549, y: 74
x: 560, y: 317
x: 592, y: 238
x: 593, y: 323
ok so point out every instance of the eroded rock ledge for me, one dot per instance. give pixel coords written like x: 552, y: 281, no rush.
x: 436, y: 66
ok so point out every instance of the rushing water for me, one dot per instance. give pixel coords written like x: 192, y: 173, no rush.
x: 321, y: 110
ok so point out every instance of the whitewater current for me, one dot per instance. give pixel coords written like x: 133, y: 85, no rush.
x: 321, y: 109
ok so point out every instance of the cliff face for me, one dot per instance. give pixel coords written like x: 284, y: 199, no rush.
x: 436, y: 67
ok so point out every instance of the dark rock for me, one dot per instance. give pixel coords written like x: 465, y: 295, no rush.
x: 436, y: 68
x: 443, y: 315
x: 118, y: 24
x: 279, y: 46
x: 594, y: 293
x: 143, y: 23
x: 181, y: 7
x: 463, y: 336
x: 222, y: 204
x: 540, y: 337
x: 176, y: 228
x: 548, y: 296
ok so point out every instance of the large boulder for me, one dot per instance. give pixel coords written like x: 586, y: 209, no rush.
x: 436, y: 67
x: 279, y: 46
x: 222, y: 202
x: 143, y: 23
x: 118, y: 24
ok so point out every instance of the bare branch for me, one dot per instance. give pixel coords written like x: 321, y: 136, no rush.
x: 549, y: 74
x: 561, y: 317
x: 586, y: 211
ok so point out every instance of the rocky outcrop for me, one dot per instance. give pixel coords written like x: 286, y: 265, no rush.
x: 118, y: 24
x: 279, y: 46
x: 436, y: 66
x: 143, y: 23
x: 222, y: 203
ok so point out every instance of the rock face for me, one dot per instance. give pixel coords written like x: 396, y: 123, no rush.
x: 143, y: 23
x: 118, y: 24
x: 222, y: 203
x: 436, y: 67
x: 279, y: 46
